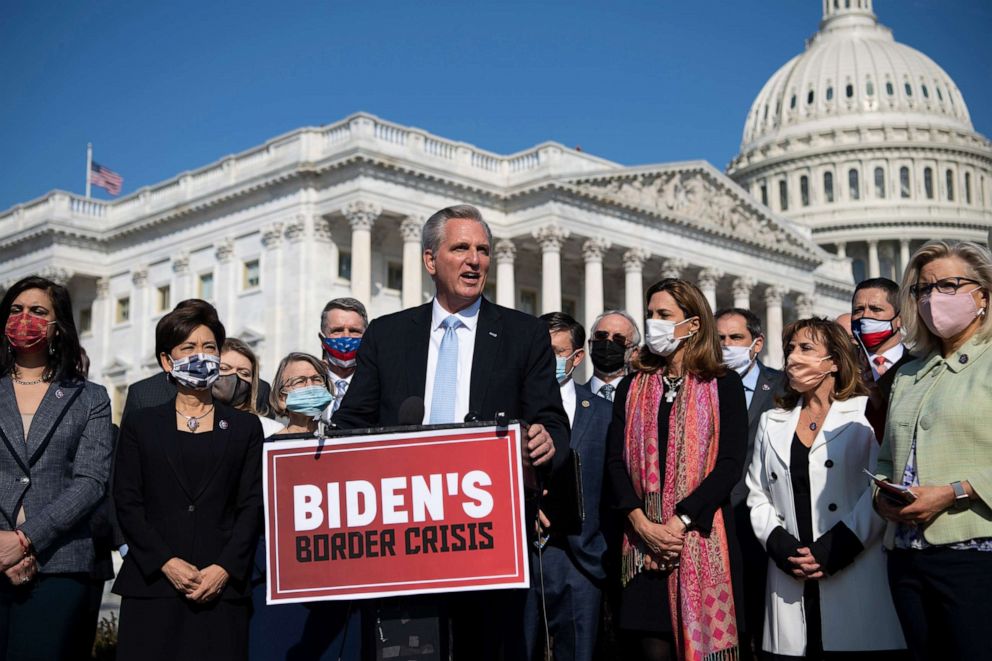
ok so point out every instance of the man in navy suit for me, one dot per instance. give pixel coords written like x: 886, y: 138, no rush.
x: 466, y: 358
x: 568, y: 573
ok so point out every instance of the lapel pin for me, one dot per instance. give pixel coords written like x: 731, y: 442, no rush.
x: 59, y: 393
x: 963, y: 359
x: 493, y: 334
x: 765, y: 386
x: 222, y: 424
x: 585, y: 403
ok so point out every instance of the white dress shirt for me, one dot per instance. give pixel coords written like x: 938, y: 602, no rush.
x: 465, y: 332
x: 595, y: 383
x: 333, y: 379
x: 568, y: 400
x: 892, y: 356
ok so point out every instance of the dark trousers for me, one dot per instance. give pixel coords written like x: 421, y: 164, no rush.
x: 751, y: 614
x: 487, y: 625
x: 943, y: 599
x: 571, y: 603
x: 39, y: 621
x: 332, y: 631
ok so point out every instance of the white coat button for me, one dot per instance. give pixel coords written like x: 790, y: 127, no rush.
x: 926, y: 422
x: 25, y: 480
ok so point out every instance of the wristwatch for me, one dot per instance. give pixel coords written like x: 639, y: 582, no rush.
x: 684, y: 518
x: 961, y: 499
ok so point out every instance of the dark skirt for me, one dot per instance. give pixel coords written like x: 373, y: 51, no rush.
x: 174, y: 628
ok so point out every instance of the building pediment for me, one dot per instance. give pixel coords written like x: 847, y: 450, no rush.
x: 698, y: 195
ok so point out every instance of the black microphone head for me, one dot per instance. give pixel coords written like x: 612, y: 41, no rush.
x: 411, y: 411
x: 471, y: 416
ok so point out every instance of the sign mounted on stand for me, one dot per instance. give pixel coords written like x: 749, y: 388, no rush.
x: 355, y: 517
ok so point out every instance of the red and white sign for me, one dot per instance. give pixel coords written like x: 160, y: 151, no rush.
x: 391, y: 514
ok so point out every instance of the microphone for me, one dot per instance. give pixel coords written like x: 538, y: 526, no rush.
x: 411, y: 411
x: 471, y: 416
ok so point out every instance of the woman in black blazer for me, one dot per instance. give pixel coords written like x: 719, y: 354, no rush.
x: 188, y: 492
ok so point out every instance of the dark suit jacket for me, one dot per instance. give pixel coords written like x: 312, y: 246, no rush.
x: 58, y: 473
x: 513, y: 371
x: 877, y: 411
x: 589, y: 429
x: 162, y: 517
x: 771, y: 383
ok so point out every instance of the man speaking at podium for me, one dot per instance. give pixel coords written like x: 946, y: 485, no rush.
x: 468, y: 359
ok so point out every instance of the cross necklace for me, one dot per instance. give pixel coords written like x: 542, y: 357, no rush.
x: 672, y: 387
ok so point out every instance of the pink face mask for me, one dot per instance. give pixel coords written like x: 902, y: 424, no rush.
x: 804, y: 372
x: 946, y: 315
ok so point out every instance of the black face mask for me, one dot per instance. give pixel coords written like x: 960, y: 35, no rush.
x: 231, y: 390
x: 607, y: 356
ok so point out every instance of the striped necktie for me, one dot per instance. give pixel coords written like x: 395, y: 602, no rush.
x: 446, y: 375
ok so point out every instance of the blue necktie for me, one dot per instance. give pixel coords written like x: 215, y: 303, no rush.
x: 445, y: 375
x: 340, y: 387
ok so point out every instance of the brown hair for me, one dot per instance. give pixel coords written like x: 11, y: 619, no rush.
x: 238, y: 346
x: 295, y: 357
x: 847, y: 379
x: 702, y: 355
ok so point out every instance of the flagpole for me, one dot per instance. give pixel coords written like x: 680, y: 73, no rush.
x: 89, y: 166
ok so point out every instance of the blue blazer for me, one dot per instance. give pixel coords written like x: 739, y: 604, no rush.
x: 589, y: 429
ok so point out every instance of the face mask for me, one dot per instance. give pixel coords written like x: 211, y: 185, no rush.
x: 560, y: 364
x: 27, y: 332
x: 341, y: 351
x: 608, y: 357
x: 738, y: 358
x: 661, y: 338
x: 308, y: 401
x: 946, y: 315
x: 232, y: 390
x: 804, y: 372
x: 198, y: 371
x: 872, y: 333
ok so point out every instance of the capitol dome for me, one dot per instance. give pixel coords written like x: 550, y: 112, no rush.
x: 868, y: 143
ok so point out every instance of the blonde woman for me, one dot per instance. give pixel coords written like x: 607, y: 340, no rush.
x: 238, y: 383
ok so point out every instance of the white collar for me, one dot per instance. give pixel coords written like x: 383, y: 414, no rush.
x: 893, y: 355
x: 468, y: 316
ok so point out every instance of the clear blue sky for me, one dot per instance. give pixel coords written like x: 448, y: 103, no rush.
x: 160, y: 88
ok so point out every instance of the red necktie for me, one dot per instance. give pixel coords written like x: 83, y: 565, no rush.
x: 879, y: 364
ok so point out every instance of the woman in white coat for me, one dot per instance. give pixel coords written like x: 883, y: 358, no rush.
x: 827, y: 595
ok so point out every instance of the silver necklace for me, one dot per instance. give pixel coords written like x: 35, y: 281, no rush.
x: 672, y: 387
x: 193, y: 421
x: 27, y: 383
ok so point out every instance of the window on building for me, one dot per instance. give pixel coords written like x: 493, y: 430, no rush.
x: 163, y: 298
x: 967, y: 188
x: 764, y: 194
x: 908, y: 88
x: 344, y: 265
x: 783, y: 195
x: 804, y: 190
x: 853, y: 184
x: 928, y: 182
x: 792, y: 102
x: 251, y: 274
x: 940, y: 95
x: 904, y: 190
x: 528, y: 301
x: 205, y: 286
x: 949, y: 179
x: 85, y: 320
x: 849, y: 90
x: 828, y: 186
x: 394, y: 275
x: 870, y: 88
x: 889, y: 89
x: 926, y: 92
x: 830, y: 94
x: 809, y: 97
x: 880, y: 183
x: 122, y: 312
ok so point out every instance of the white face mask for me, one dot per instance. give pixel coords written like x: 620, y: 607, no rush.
x: 661, y: 336
x: 739, y: 359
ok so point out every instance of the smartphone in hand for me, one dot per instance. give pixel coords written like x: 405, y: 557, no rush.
x: 896, y: 492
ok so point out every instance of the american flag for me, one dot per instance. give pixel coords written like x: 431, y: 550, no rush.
x: 105, y: 178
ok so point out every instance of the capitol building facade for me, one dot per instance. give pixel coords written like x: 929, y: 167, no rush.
x: 270, y: 234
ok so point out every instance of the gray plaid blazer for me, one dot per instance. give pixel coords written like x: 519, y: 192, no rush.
x: 59, y: 473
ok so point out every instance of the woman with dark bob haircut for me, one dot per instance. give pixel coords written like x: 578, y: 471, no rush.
x: 188, y: 492
x: 54, y: 465
x: 675, y: 450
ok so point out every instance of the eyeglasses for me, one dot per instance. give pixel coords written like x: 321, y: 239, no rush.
x: 302, y: 381
x: 616, y: 337
x: 945, y: 286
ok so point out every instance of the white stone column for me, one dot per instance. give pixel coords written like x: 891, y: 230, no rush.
x: 506, y: 290
x: 361, y: 216
x: 805, y: 304
x: 841, y: 249
x: 550, y: 239
x: 742, y: 292
x: 228, y: 283
x: 272, y: 276
x: 708, y: 280
x: 903, y: 258
x: 103, y: 321
x: 182, y: 282
x: 773, y: 326
x: 673, y: 267
x: 140, y: 311
x: 298, y: 328
x: 592, y: 253
x: 873, y: 269
x: 413, y: 265
x: 633, y: 267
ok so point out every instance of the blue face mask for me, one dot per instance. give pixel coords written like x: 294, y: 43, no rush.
x: 197, y: 371
x: 561, y: 371
x: 308, y: 401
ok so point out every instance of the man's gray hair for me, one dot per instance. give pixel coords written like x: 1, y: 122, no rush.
x: 433, y: 232
x: 348, y: 304
x: 622, y: 313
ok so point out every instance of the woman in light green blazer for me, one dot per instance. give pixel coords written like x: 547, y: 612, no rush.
x: 938, y: 442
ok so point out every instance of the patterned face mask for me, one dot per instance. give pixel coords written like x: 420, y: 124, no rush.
x: 341, y: 351
x: 197, y: 371
x: 27, y: 332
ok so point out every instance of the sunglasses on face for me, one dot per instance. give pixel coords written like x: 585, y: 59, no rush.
x: 616, y: 337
